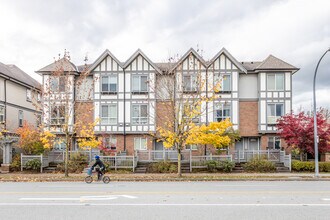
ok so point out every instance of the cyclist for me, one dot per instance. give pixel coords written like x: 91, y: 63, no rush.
x: 101, y: 169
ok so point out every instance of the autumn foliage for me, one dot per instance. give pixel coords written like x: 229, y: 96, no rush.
x: 298, y: 132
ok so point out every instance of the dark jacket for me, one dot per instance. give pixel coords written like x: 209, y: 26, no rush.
x: 99, y: 163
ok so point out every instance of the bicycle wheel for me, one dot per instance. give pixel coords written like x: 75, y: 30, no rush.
x: 106, y: 179
x: 88, y: 179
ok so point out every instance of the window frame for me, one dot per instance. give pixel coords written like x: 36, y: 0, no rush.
x: 192, y: 147
x: 20, y: 118
x: 222, y: 109
x: 2, y: 115
x: 139, y: 90
x: 272, y: 120
x: 60, y: 119
x: 109, y: 91
x: 273, y: 142
x: 28, y: 95
x: 196, y: 119
x: 110, y: 140
x: 191, y: 82
x: 140, y: 143
x: 139, y: 118
x: 275, y: 81
x: 109, y: 117
x: 60, y: 84
x: 220, y: 76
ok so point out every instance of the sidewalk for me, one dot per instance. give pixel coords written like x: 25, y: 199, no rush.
x: 47, y: 177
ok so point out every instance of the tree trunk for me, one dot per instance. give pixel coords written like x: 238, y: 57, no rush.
x: 179, y: 163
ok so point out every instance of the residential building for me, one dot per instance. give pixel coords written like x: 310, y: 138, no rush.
x: 128, y: 97
x: 19, y: 95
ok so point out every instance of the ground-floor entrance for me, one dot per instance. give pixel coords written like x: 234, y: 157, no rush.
x: 246, y: 144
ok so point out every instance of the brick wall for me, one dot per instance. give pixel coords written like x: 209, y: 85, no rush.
x: 84, y: 114
x: 248, y: 118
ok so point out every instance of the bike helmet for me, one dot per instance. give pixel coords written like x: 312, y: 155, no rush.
x: 97, y: 157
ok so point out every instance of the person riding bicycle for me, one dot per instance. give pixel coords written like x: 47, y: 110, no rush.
x: 101, y: 169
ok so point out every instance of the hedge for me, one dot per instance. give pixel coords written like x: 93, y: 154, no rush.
x: 309, y: 166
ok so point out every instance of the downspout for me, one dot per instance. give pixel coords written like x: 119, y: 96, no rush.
x: 5, y: 109
x: 206, y: 105
x: 74, y: 110
x: 124, y: 110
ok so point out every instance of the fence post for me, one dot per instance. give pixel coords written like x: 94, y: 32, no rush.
x: 21, y: 162
x: 133, y: 163
x: 290, y: 162
x: 90, y: 155
x: 210, y: 156
x: 41, y: 163
x: 115, y: 163
x: 190, y: 160
x: 231, y: 158
x: 149, y: 155
x: 239, y: 156
x: 164, y: 156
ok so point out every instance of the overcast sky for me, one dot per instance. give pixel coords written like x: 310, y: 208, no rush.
x: 33, y: 32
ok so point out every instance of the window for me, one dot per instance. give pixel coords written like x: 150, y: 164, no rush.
x: 223, y: 81
x: 191, y: 146
x: 109, y: 84
x: 274, y: 143
x: 28, y: 95
x: 57, y: 115
x: 274, y: 112
x: 57, y: 84
x: 190, y: 83
x: 222, y: 112
x: 38, y: 97
x: 192, y: 112
x: 140, y: 143
x: 140, y: 114
x: 20, y: 118
x: 59, y: 144
x: 139, y: 84
x: 38, y: 120
x: 109, y: 114
x: 275, y: 82
x: 110, y: 142
x: 2, y: 114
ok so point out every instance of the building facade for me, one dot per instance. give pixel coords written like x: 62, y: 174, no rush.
x: 19, y: 94
x: 127, y: 99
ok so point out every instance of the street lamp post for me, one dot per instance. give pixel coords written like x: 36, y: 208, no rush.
x: 316, y: 150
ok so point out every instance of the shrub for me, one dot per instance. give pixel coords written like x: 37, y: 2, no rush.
x: 33, y: 164
x: 309, y: 166
x: 211, y: 165
x: 259, y: 165
x: 76, y: 164
x: 16, y: 163
x: 226, y: 166
x: 162, y: 167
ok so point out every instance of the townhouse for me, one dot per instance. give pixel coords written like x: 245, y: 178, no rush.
x: 128, y: 98
x: 19, y: 94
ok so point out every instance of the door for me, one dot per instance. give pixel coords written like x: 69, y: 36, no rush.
x: 159, y: 148
x: 239, y: 148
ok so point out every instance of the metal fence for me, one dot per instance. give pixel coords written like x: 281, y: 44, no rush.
x: 162, y: 155
x: 25, y: 158
x: 201, y: 161
x: 116, y: 162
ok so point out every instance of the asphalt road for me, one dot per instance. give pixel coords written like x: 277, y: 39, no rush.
x: 166, y: 200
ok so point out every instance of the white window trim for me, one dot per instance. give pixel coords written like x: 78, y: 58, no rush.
x: 2, y: 114
x: 275, y: 83
x: 193, y: 85
x: 140, y: 143
x: 221, y: 105
x: 109, y: 117
x: 271, y: 120
x: 139, y: 83
x: 109, y: 76
x: 139, y: 117
x: 220, y: 76
x: 29, y: 95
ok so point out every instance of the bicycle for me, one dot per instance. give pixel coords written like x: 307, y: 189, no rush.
x: 89, y: 178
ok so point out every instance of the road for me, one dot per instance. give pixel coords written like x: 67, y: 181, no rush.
x: 166, y: 200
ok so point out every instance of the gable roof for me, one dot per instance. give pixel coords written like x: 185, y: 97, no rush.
x: 274, y: 63
x: 224, y: 51
x: 12, y: 71
x: 101, y: 58
x: 64, y: 63
x: 190, y: 51
x: 137, y: 53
